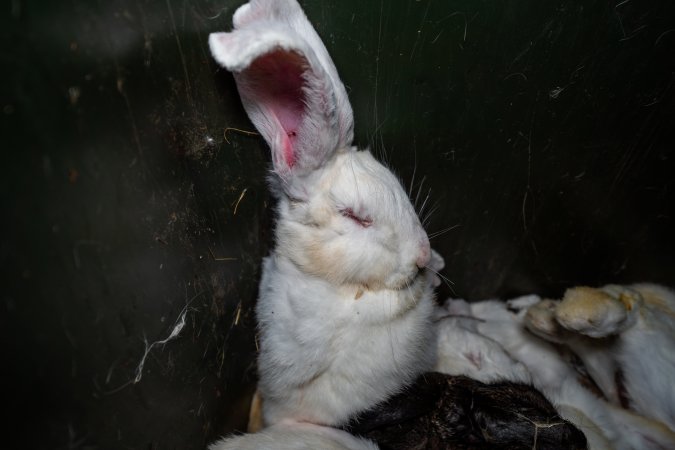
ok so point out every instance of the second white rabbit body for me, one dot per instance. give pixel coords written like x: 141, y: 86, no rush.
x: 345, y: 304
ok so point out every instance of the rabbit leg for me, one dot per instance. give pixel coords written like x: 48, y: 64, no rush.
x: 598, y: 356
x: 519, y: 303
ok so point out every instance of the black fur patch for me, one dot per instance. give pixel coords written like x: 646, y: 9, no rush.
x: 448, y: 412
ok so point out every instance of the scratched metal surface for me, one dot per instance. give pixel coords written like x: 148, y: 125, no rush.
x: 544, y: 130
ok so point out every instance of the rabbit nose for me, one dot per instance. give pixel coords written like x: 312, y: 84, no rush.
x: 424, y: 255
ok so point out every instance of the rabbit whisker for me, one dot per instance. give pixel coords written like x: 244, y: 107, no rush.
x: 391, y: 339
x: 419, y: 191
x: 449, y: 283
x: 427, y: 216
x: 425, y: 202
x: 443, y: 231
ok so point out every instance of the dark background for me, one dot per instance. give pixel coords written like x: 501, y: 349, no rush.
x: 543, y: 129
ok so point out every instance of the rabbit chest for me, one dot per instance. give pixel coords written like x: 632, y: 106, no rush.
x: 326, y: 354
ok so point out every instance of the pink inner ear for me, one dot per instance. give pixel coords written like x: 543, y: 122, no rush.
x: 275, y: 81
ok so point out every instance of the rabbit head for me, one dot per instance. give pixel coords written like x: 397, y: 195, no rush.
x: 343, y: 216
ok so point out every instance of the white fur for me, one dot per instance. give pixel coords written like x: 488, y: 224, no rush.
x: 464, y: 351
x: 324, y: 355
x: 345, y: 304
x: 294, y: 437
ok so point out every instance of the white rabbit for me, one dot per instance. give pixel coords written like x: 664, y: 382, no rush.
x: 345, y: 303
x: 606, y: 425
x: 296, y: 436
x: 464, y: 351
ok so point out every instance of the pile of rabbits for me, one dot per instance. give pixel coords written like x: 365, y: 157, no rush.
x: 346, y: 310
x: 605, y: 357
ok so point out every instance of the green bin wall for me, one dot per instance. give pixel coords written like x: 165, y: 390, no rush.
x: 542, y: 130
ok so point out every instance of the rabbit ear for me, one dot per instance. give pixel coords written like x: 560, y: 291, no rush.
x: 288, y: 84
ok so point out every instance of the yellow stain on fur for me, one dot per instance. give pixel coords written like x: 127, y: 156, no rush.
x: 255, y: 416
x: 324, y: 261
x: 627, y: 301
x: 582, y: 300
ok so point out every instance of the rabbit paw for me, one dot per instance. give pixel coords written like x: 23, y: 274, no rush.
x: 540, y: 319
x: 517, y: 304
x: 598, y: 312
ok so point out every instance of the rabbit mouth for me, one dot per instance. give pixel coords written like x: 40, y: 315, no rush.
x: 412, y: 281
x: 399, y: 283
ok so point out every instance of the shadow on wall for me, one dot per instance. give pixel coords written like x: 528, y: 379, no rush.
x: 542, y: 133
